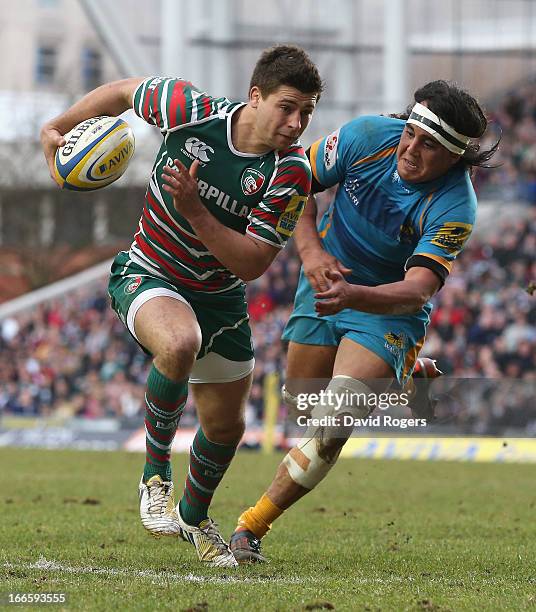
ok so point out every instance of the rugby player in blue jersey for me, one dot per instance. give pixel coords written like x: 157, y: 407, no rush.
x: 403, y: 210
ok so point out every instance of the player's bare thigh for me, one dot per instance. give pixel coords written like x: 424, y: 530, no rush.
x: 360, y: 363
x: 220, y: 408
x: 308, y: 361
x: 168, y: 329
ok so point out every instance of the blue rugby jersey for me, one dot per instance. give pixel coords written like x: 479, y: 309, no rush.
x: 377, y: 224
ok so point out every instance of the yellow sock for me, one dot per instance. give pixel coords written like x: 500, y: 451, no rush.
x: 259, y: 519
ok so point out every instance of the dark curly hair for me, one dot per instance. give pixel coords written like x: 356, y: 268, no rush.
x: 462, y: 112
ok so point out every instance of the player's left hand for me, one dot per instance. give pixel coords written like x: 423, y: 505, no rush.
x: 337, y: 297
x: 51, y: 139
x: 181, y: 183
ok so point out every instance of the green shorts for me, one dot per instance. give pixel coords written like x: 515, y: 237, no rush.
x: 226, y: 352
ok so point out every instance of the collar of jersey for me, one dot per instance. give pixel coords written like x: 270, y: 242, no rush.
x: 230, y: 143
x: 429, y: 186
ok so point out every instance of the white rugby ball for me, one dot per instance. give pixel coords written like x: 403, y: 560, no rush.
x: 96, y: 153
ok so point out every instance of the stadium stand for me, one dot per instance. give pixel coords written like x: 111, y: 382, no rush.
x: 72, y: 357
x: 513, y: 119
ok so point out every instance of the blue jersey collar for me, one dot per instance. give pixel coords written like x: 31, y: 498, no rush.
x: 456, y: 172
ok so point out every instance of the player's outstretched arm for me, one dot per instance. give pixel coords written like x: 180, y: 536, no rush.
x: 110, y: 99
x: 404, y: 297
x: 243, y: 255
x: 316, y: 261
x: 306, y: 235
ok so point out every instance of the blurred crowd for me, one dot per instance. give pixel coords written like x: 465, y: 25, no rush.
x: 484, y: 326
x: 513, y: 120
x: 484, y: 320
x: 73, y: 357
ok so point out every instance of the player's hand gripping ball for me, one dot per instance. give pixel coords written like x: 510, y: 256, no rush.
x: 96, y: 153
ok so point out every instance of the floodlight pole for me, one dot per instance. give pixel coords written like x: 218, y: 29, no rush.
x: 174, y: 23
x: 395, y: 57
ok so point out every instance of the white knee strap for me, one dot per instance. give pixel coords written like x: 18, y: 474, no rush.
x: 304, y: 462
x: 288, y: 398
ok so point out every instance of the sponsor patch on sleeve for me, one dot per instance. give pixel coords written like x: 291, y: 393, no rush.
x: 330, y: 149
x: 452, y: 236
x: 288, y: 220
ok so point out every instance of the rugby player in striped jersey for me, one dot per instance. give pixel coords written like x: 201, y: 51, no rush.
x: 228, y: 185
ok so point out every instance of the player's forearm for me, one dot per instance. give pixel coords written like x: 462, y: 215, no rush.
x: 110, y: 99
x: 404, y: 297
x: 239, y: 253
x: 306, y: 235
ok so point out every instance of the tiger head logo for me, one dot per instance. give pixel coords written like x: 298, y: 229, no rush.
x: 252, y: 181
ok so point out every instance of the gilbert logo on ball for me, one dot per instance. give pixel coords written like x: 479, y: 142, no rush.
x: 96, y: 153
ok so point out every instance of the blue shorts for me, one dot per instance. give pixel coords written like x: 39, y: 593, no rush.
x: 397, y: 339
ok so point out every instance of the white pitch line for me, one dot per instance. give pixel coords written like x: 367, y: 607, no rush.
x: 52, y: 566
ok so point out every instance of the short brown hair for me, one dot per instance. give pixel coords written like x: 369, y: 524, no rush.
x: 286, y: 65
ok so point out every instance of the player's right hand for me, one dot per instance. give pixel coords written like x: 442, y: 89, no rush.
x: 51, y: 139
x: 315, y: 266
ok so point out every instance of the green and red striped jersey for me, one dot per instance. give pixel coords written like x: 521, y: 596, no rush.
x: 262, y: 195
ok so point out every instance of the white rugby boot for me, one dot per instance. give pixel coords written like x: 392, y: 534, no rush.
x: 210, y: 546
x: 157, y: 507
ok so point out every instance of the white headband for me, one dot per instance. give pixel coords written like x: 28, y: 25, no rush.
x: 440, y: 130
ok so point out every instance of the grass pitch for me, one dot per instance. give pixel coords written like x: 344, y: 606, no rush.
x: 376, y: 535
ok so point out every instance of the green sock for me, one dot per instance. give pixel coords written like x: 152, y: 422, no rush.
x: 164, y: 403
x: 208, y: 463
